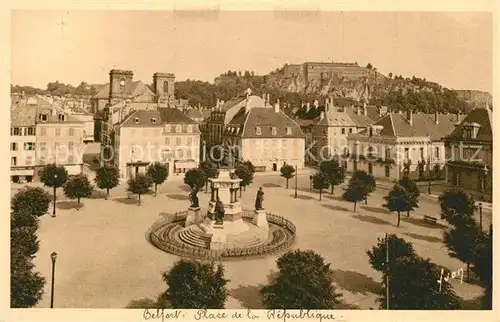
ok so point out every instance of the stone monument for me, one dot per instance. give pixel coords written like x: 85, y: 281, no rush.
x: 194, y: 211
x: 260, y: 219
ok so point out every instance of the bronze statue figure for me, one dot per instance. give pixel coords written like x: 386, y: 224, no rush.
x: 193, y: 198
x: 219, y: 211
x: 259, y: 199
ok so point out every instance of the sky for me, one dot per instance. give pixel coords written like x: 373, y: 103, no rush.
x: 452, y: 49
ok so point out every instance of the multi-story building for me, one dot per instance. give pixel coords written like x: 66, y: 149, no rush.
x: 22, y: 142
x: 158, y: 135
x: 264, y: 135
x: 399, y: 144
x: 469, y: 153
x: 59, y: 139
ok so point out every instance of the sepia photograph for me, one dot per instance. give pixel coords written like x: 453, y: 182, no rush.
x: 166, y: 160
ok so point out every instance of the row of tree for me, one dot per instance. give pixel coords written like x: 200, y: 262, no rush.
x: 57, y: 89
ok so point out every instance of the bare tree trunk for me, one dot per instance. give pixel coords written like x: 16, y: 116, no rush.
x: 408, y: 213
x: 332, y: 189
x: 320, y: 190
x: 78, y: 204
x: 399, y: 217
x: 468, y: 272
x: 156, y: 186
x: 287, y: 183
x: 139, y: 203
x: 366, y: 200
x: 355, y: 206
x: 107, y: 194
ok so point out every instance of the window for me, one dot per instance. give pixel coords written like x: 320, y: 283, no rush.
x: 257, y: 130
x: 350, y: 130
x: 343, y: 131
x: 178, y: 141
x: 13, y: 161
x: 178, y: 128
x: 61, y: 117
x: 43, y: 131
x: 167, y: 128
x: 407, y: 153
x: 188, y: 154
x: 29, y: 160
x: 273, y: 130
x: 190, y: 128
x: 30, y: 146
x: 58, y: 131
x: 468, y: 132
x: 13, y: 146
x: 371, y: 131
x: 153, y: 120
x: 71, y: 131
x: 190, y: 141
x: 387, y: 171
x: 70, y: 146
x: 16, y: 131
x: 288, y: 130
x: 31, y: 131
x: 136, y: 120
x: 44, y: 117
x: 167, y: 140
x: 71, y: 159
x: 422, y: 153
x: 165, y: 87
x: 436, y: 152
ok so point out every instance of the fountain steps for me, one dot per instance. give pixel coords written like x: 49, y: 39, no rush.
x: 194, y: 236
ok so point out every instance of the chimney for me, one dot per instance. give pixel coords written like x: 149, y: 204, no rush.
x: 436, y: 117
x: 365, y: 110
x: 459, y: 114
x: 321, y: 115
x: 277, y: 107
x: 308, y: 107
x: 409, y: 117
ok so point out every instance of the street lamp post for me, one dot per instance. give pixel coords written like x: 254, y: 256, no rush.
x: 54, y: 210
x: 53, y: 256
x: 296, y: 173
x: 481, y: 216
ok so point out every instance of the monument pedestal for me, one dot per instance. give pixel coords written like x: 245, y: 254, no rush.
x: 193, y: 217
x: 219, y: 238
x: 260, y: 219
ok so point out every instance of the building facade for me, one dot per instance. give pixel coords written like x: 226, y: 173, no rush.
x: 401, y: 144
x: 59, y: 139
x: 22, y: 142
x: 163, y: 135
x: 469, y: 154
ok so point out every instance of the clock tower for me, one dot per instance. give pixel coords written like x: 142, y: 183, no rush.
x: 164, y: 85
x: 120, y: 85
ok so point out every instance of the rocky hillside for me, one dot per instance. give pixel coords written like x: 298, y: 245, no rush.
x: 476, y: 98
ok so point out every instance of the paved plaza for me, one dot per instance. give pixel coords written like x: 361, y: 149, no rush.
x: 105, y: 261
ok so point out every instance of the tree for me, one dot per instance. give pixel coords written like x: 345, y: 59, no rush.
x: 107, y: 178
x: 244, y: 171
x: 412, y: 279
x: 412, y: 189
x: 456, y: 202
x: 158, y: 172
x: 195, y: 178
x: 390, y: 75
x: 461, y: 241
x: 193, y: 284
x: 78, y: 187
x: 210, y: 170
x: 36, y: 200
x: 334, y: 172
x: 287, y: 172
x: 54, y: 176
x: 369, y: 66
x: 483, y: 266
x: 25, y: 240
x: 26, y: 285
x: 355, y: 191
x: 304, y: 281
x: 139, y: 185
x: 367, y: 180
x: 320, y: 182
x: 398, y: 200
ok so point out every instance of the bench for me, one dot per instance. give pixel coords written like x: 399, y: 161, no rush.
x: 430, y: 220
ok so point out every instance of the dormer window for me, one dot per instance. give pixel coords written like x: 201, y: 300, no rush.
x: 288, y: 130
x: 257, y: 130
x: 61, y: 117
x: 153, y: 120
x: 44, y: 117
x: 136, y: 120
x: 273, y: 130
x: 190, y: 128
x: 471, y: 130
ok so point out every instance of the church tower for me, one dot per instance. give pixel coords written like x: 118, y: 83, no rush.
x: 120, y: 85
x: 164, y: 85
